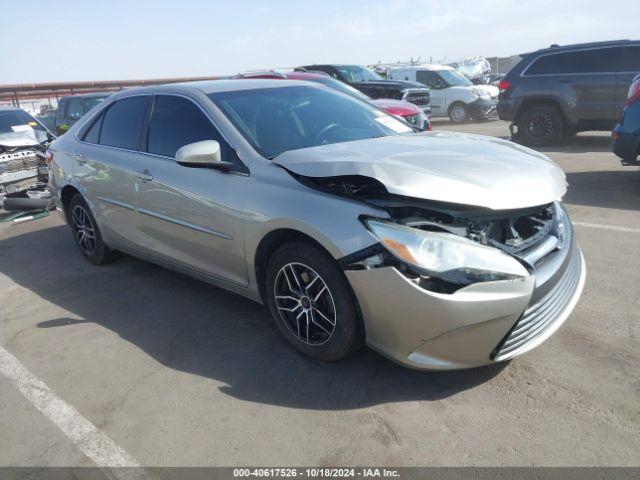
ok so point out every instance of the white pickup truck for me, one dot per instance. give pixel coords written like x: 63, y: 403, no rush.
x: 452, y: 94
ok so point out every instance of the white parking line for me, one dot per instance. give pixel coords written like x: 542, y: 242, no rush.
x: 92, y: 442
x: 607, y: 227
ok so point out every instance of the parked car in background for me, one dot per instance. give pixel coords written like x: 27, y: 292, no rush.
x: 23, y: 142
x: 421, y: 119
x: 440, y: 250
x: 71, y: 109
x: 374, y: 86
x: 561, y: 90
x: 625, y: 138
x: 452, y: 94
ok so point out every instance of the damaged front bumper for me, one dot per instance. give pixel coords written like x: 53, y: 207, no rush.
x: 23, y: 180
x: 476, y: 325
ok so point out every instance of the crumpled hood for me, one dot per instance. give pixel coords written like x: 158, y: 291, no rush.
x: 441, y: 166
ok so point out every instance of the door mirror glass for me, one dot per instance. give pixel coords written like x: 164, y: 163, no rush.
x: 205, y: 153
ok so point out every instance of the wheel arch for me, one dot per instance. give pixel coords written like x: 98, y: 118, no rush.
x: 67, y: 193
x: 270, y: 243
x: 544, y: 101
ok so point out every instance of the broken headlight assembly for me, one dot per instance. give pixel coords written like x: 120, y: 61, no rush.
x: 444, y: 262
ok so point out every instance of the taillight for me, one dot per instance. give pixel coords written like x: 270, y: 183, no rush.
x: 48, y: 156
x: 504, y: 85
x: 634, y: 93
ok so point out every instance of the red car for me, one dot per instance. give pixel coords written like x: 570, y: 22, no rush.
x: 408, y: 111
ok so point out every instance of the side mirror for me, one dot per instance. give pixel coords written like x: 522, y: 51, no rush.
x: 204, y: 154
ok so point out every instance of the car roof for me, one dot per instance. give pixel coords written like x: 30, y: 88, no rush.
x: 424, y: 66
x: 89, y: 95
x: 216, y: 86
x: 583, y: 46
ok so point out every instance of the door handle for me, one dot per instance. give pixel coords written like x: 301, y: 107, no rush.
x: 78, y: 157
x: 144, y: 175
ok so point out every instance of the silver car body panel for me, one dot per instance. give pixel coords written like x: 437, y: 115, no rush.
x: 441, y: 166
x: 210, y: 224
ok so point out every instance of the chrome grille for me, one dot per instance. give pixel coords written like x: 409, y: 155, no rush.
x: 537, y: 319
x: 421, y: 98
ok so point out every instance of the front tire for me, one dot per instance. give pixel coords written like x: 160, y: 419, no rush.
x: 459, y: 113
x: 540, y: 126
x: 312, y: 303
x: 86, y: 232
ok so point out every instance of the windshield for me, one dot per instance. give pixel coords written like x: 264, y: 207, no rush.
x: 275, y: 120
x: 340, y: 86
x: 91, y: 102
x: 454, y: 79
x: 17, y: 121
x: 356, y: 73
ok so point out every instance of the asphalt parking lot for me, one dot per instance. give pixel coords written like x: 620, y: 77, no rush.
x: 176, y: 372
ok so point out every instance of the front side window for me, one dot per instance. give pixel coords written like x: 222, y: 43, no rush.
x: 176, y: 122
x: 122, y: 123
x: 599, y: 60
x: 275, y: 120
x: 428, y: 78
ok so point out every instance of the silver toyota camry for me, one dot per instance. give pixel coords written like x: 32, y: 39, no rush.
x: 439, y: 250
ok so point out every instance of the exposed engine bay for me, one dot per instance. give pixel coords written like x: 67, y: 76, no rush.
x: 527, y: 234
x: 23, y: 166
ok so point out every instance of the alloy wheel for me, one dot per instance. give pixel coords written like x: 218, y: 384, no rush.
x: 305, y: 303
x: 540, y: 125
x: 84, y: 230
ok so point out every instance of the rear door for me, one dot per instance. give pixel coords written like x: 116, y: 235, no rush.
x: 191, y: 216
x: 627, y: 67
x: 106, y: 160
x: 583, y: 79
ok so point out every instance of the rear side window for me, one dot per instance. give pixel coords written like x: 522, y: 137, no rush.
x: 582, y: 61
x: 122, y: 121
x: 176, y: 122
x: 93, y: 133
x: 627, y: 59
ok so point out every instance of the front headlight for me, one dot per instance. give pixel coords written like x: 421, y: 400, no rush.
x: 446, y: 256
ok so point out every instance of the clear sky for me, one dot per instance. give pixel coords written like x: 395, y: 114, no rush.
x: 70, y: 40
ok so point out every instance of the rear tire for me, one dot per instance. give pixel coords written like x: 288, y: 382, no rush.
x: 312, y: 303
x: 540, y: 126
x: 86, y: 232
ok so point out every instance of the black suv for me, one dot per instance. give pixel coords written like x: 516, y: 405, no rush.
x: 559, y: 91
x: 71, y: 109
x: 374, y: 86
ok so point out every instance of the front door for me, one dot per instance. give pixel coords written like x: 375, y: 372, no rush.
x: 191, y: 216
x: 438, y: 91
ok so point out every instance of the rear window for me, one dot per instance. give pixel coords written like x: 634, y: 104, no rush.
x: 122, y: 121
x: 583, y: 61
